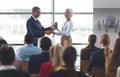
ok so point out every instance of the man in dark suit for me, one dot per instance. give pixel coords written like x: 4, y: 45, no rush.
x: 7, y: 69
x: 36, y: 60
x: 34, y: 25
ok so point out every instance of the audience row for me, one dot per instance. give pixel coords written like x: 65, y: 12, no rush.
x: 104, y: 56
x: 47, y: 61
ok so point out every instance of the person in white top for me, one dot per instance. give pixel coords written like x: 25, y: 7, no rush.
x: 66, y: 39
x: 118, y: 72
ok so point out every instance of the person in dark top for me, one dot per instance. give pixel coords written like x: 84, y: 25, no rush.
x: 7, y: 69
x: 69, y: 57
x: 85, y: 52
x: 35, y: 27
x: 36, y: 60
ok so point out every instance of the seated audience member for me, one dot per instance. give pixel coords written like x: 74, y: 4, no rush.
x: 113, y: 60
x: 7, y: 69
x: 55, y: 61
x: 23, y: 53
x: 36, y: 60
x: 17, y: 62
x: 69, y: 58
x: 98, y: 58
x: 118, y: 35
x: 118, y: 72
x: 85, y: 52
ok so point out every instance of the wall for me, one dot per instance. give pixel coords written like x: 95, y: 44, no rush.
x: 106, y: 3
x: 103, y: 8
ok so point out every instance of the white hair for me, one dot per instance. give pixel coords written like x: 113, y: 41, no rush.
x: 71, y: 11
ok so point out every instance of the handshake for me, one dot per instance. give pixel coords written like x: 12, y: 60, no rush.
x: 52, y: 28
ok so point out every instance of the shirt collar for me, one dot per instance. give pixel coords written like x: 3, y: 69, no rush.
x: 7, y: 67
x: 34, y: 18
x: 28, y: 44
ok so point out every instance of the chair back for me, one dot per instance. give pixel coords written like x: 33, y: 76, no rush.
x: 84, y: 65
x: 35, y: 75
x: 25, y: 66
x: 98, y: 71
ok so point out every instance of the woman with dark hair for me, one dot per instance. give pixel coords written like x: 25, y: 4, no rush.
x: 85, y: 52
x: 7, y: 58
x: 69, y: 58
x: 113, y: 60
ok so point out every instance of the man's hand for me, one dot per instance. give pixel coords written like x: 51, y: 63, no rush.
x: 48, y: 32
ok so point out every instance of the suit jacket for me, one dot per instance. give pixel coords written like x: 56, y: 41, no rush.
x: 96, y: 59
x: 35, y: 28
x: 36, y: 61
x: 13, y: 73
x: 85, y: 52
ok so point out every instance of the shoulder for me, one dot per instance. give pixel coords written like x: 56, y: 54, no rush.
x: 84, y: 50
x: 24, y: 74
x: 21, y: 49
x: 70, y: 22
x: 60, y: 73
x: 98, y: 53
x: 15, y: 73
x: 31, y: 19
x: 35, y: 56
x: 36, y: 48
x: 97, y: 48
x: 46, y: 65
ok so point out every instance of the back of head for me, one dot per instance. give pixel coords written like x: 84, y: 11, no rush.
x: 56, y: 52
x: 7, y: 55
x: 69, y: 57
x: 45, y: 43
x: 2, y: 41
x: 29, y: 38
x: 105, y: 41
x: 91, y: 39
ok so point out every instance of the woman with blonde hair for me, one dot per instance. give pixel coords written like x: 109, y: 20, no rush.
x: 55, y: 61
x: 66, y: 39
x: 113, y: 60
x: 98, y: 58
x: 68, y: 70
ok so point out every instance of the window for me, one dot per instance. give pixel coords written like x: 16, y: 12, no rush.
x: 13, y: 19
